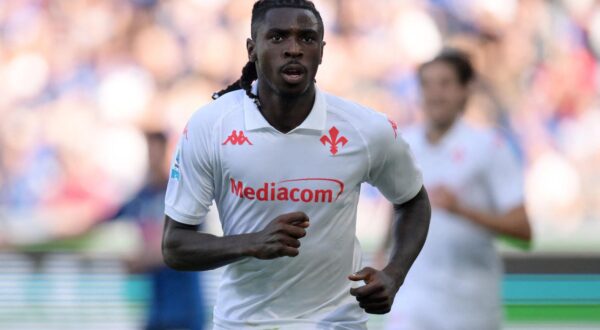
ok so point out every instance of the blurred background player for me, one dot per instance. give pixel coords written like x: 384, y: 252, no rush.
x: 176, y: 301
x: 476, y: 189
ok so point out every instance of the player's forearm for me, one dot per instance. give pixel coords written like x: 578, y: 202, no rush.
x: 411, y: 221
x: 513, y: 223
x: 193, y: 251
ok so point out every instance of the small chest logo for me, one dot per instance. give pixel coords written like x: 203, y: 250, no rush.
x: 394, y: 127
x: 237, y: 138
x: 333, y: 139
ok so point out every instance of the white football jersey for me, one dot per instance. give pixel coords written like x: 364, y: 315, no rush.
x: 231, y: 154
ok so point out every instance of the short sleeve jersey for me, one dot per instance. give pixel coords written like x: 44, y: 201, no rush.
x: 229, y: 153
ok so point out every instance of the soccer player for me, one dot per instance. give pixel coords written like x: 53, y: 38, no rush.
x: 284, y: 162
x: 476, y: 189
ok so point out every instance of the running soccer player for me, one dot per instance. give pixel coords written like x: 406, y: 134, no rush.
x: 284, y: 162
x: 476, y: 188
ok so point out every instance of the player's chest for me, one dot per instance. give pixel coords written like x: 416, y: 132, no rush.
x: 332, y: 159
x: 453, y: 165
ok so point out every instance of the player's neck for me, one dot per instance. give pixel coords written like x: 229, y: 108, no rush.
x: 286, y: 112
x: 435, y: 133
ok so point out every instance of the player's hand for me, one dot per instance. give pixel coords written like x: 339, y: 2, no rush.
x: 444, y: 198
x: 377, y: 295
x: 281, y: 237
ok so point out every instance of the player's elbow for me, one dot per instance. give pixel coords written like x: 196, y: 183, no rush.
x: 525, y: 233
x: 171, y: 254
x: 518, y: 223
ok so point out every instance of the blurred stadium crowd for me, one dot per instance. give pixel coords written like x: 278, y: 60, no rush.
x: 83, y: 80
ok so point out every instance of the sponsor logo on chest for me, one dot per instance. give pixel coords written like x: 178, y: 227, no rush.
x: 305, y: 190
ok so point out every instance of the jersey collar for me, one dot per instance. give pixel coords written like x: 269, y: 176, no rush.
x: 315, y: 121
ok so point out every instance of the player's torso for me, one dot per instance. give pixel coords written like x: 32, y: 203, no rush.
x: 266, y: 172
x: 459, y: 162
x: 263, y: 173
x: 458, y: 269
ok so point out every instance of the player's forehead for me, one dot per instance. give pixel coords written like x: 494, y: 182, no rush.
x: 438, y: 70
x: 287, y: 18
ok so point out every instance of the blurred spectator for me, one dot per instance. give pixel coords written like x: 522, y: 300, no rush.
x: 176, y: 300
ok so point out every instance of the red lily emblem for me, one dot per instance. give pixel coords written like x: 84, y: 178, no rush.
x: 394, y: 127
x: 333, y: 140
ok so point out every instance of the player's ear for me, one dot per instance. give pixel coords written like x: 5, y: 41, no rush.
x: 323, y: 43
x: 251, y: 49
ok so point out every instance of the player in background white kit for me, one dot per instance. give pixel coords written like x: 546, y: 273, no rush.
x: 476, y: 188
x: 277, y: 155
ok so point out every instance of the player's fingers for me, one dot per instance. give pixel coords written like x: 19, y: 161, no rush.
x: 288, y: 251
x: 304, y: 224
x: 366, y: 290
x: 377, y: 308
x: 293, y: 231
x: 362, y: 275
x: 293, y: 218
x: 288, y: 241
x: 377, y: 297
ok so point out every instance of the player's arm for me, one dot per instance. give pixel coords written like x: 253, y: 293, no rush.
x: 513, y: 223
x: 184, y: 248
x: 394, y: 172
x: 411, y: 221
x: 504, y: 180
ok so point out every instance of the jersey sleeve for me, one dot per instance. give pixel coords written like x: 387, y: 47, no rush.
x: 190, y: 190
x: 504, y: 176
x: 393, y: 169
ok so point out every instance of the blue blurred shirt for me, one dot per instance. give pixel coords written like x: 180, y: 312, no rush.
x: 176, y: 296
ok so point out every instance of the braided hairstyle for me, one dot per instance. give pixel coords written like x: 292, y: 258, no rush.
x: 259, y: 12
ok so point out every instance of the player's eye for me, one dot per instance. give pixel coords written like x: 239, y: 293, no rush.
x: 277, y: 38
x: 308, y: 39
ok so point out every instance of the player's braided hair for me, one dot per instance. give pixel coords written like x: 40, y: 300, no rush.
x: 259, y: 12
x: 458, y: 60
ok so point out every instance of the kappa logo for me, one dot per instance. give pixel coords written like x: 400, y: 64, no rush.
x: 333, y: 139
x: 237, y: 138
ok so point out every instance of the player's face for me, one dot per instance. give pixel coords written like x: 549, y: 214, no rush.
x: 288, y: 50
x: 444, y: 97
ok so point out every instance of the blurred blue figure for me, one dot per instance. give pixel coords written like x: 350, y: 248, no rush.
x: 176, y: 300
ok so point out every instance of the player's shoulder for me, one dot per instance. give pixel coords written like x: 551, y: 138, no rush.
x: 367, y: 121
x: 211, y: 114
x: 352, y: 110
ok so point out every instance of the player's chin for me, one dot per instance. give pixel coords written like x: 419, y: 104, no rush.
x: 294, y: 90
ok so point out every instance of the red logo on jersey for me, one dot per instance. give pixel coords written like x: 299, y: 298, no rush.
x: 237, y: 138
x: 333, y: 140
x: 185, y: 131
x: 395, y: 127
x: 458, y: 155
x: 295, y: 190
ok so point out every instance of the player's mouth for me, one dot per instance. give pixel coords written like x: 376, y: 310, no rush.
x: 293, y: 73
